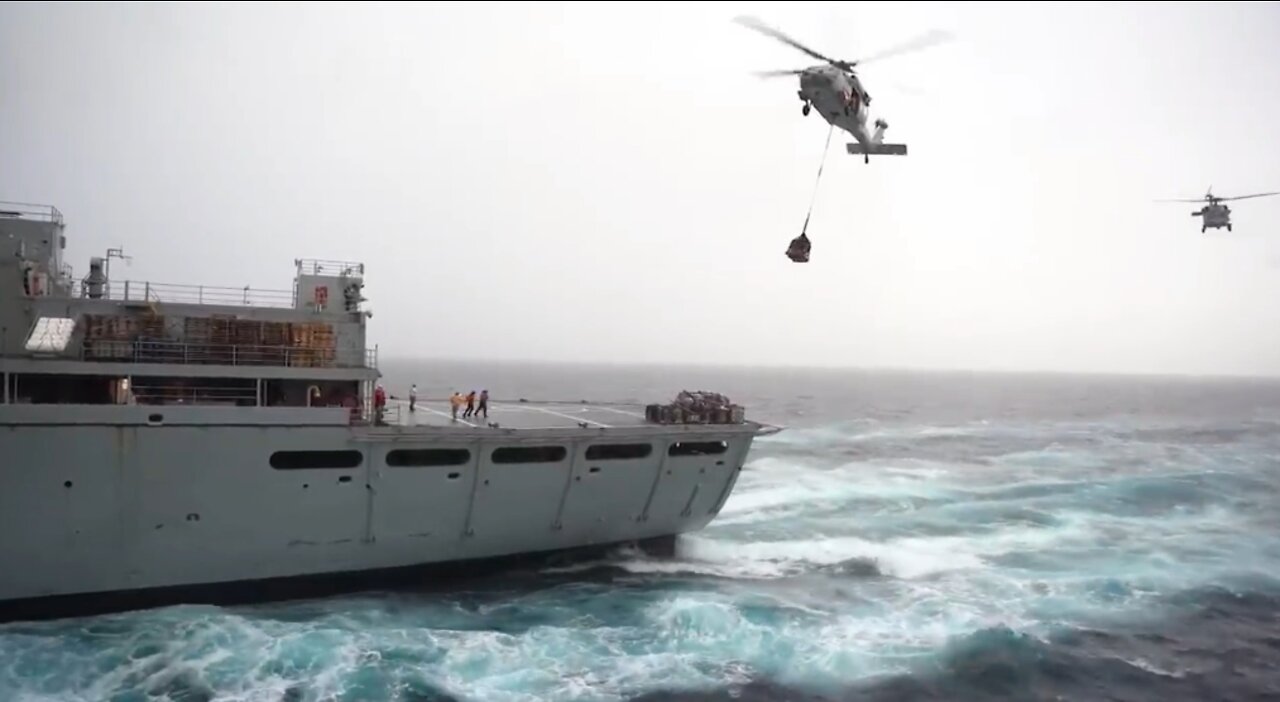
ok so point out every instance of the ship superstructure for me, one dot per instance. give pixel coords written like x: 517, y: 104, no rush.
x: 161, y: 439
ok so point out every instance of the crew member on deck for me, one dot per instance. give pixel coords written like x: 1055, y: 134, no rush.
x: 484, y: 404
x: 379, y: 404
x: 471, y: 404
x: 798, y: 251
x: 455, y: 401
x: 413, y: 396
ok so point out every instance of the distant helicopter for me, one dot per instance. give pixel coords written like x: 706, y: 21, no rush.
x: 1215, y: 215
x: 837, y: 92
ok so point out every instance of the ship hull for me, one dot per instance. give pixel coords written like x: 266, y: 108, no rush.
x: 418, y: 578
x: 119, y: 508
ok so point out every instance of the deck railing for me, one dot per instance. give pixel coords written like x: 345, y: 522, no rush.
x: 27, y: 210
x: 318, y: 266
x: 367, y: 415
x: 194, y: 395
x: 184, y: 353
x: 145, y: 291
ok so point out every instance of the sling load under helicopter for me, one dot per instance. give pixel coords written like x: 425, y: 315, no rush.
x: 837, y: 92
x: 1214, y: 214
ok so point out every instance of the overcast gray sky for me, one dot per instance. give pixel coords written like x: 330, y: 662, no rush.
x: 610, y: 182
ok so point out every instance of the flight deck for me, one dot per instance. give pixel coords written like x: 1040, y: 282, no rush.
x: 517, y: 415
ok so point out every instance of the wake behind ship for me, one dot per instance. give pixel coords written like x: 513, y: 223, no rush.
x: 182, y: 443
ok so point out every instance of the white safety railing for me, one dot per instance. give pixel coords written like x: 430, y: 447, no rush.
x: 389, y: 416
x: 193, y: 395
x: 316, y: 266
x: 185, y: 353
x: 145, y: 291
x: 27, y: 210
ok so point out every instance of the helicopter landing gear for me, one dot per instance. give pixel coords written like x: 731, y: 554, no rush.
x: 1203, y: 227
x: 805, y: 110
x: 1228, y: 227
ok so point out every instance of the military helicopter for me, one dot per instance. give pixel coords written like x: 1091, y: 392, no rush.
x: 837, y: 92
x: 1214, y: 214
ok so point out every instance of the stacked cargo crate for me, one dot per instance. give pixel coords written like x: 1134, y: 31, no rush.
x: 696, y: 408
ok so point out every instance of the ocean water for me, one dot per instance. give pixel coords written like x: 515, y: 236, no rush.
x: 910, y: 536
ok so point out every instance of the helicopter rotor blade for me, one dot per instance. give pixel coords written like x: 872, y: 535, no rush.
x: 1192, y: 200
x: 1246, y: 197
x: 756, y: 24
x: 930, y: 38
x: 778, y: 74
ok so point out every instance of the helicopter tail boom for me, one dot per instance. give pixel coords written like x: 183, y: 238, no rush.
x: 878, y: 149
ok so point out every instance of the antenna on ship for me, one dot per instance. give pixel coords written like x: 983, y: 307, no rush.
x: 117, y: 252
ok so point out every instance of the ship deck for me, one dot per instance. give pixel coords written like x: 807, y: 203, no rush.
x: 517, y: 415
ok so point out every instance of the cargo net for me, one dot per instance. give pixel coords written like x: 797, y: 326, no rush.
x: 696, y: 408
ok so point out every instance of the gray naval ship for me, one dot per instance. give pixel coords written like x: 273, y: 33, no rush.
x: 179, y: 443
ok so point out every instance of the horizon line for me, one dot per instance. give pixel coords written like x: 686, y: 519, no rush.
x: 730, y: 365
